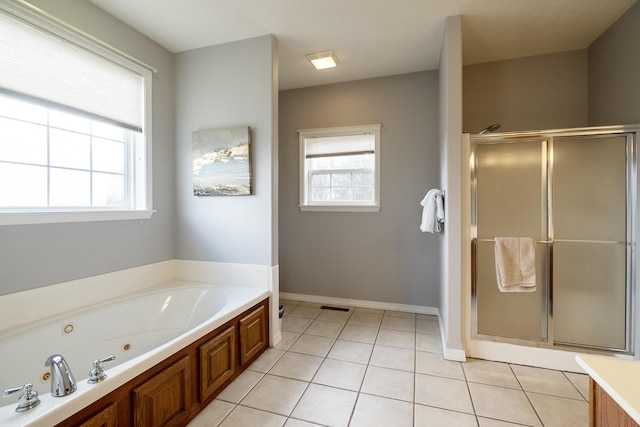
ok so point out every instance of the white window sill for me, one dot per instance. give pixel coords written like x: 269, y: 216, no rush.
x: 339, y: 208
x: 51, y: 217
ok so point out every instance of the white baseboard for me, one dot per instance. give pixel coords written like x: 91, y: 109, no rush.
x: 455, y: 354
x: 408, y: 308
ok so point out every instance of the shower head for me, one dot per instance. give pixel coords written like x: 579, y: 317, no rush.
x: 492, y: 128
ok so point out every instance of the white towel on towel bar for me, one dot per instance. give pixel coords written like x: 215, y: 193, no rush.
x: 433, y: 212
x: 515, y: 264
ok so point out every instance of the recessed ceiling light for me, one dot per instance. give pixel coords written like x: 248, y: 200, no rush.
x: 322, y: 60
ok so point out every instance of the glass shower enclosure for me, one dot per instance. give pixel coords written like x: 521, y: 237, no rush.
x: 574, y: 193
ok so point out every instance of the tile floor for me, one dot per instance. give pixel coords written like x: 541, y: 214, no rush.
x: 380, y: 368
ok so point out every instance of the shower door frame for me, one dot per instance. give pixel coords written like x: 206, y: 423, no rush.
x: 546, y: 137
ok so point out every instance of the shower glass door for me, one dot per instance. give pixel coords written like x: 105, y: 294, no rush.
x: 590, y: 259
x: 573, y: 194
x: 511, y: 200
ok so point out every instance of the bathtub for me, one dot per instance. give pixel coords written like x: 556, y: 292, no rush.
x: 140, y: 329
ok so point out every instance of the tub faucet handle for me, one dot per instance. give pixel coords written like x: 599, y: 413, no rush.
x: 97, y: 373
x: 62, y: 381
x: 28, y: 399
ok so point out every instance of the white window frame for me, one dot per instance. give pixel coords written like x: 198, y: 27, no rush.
x: 304, y: 181
x: 140, y: 176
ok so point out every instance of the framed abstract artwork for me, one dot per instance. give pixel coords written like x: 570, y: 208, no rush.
x: 222, y: 161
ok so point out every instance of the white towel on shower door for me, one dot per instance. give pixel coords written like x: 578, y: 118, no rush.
x: 515, y: 264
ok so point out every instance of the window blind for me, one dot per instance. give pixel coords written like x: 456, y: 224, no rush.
x: 339, y: 145
x: 36, y: 63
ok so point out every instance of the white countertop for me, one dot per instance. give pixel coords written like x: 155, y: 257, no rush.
x: 619, y: 378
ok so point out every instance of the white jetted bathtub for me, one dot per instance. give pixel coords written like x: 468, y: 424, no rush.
x: 140, y: 330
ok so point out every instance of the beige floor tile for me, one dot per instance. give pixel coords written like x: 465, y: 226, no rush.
x: 365, y: 319
x: 313, y: 345
x: 248, y: 417
x: 241, y: 386
x: 427, y: 416
x: 213, y: 414
x: 359, y: 333
x: 581, y: 382
x: 393, y: 338
x: 295, y: 324
x: 288, y: 308
x: 305, y: 312
x: 311, y: 304
x: 503, y: 404
x: 431, y: 343
x: 292, y: 422
x: 393, y: 358
x: 388, y: 383
x: 399, y: 314
x: 376, y: 411
x: 433, y: 364
x: 323, y: 328
x: 545, y: 381
x: 326, y: 405
x: 296, y: 366
x: 289, y: 302
x: 335, y: 316
x: 369, y: 310
x: 560, y: 411
x: 488, y: 422
x: 351, y: 351
x: 266, y: 360
x: 493, y: 373
x: 341, y: 374
x: 430, y: 327
x: 275, y: 394
x: 407, y: 324
x: 288, y: 338
x: 445, y: 393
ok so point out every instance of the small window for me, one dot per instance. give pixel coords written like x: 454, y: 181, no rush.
x: 340, y: 169
x: 75, y: 122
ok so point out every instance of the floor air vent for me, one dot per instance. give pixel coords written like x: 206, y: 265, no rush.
x: 328, y: 307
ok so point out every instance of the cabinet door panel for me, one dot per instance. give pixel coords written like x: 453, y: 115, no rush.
x: 165, y: 400
x: 217, y: 362
x: 253, y: 334
x: 105, y: 418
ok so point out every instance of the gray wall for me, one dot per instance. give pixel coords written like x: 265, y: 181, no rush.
x: 36, y: 255
x: 614, y: 73
x: 379, y: 256
x: 219, y: 86
x: 538, y: 92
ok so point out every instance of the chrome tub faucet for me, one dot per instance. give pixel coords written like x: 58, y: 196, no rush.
x: 62, y: 381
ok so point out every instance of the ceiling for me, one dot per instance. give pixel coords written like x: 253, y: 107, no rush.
x: 372, y: 38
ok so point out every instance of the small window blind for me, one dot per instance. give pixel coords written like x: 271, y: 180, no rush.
x: 36, y: 63
x: 339, y: 145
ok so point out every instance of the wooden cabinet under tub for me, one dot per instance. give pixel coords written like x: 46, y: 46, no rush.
x: 218, y: 362
x: 253, y: 334
x: 174, y: 391
x: 108, y: 417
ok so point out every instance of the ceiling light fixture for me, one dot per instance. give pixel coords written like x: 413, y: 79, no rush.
x: 322, y: 60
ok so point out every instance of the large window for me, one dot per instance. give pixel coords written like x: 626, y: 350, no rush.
x: 340, y: 168
x: 74, y: 124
